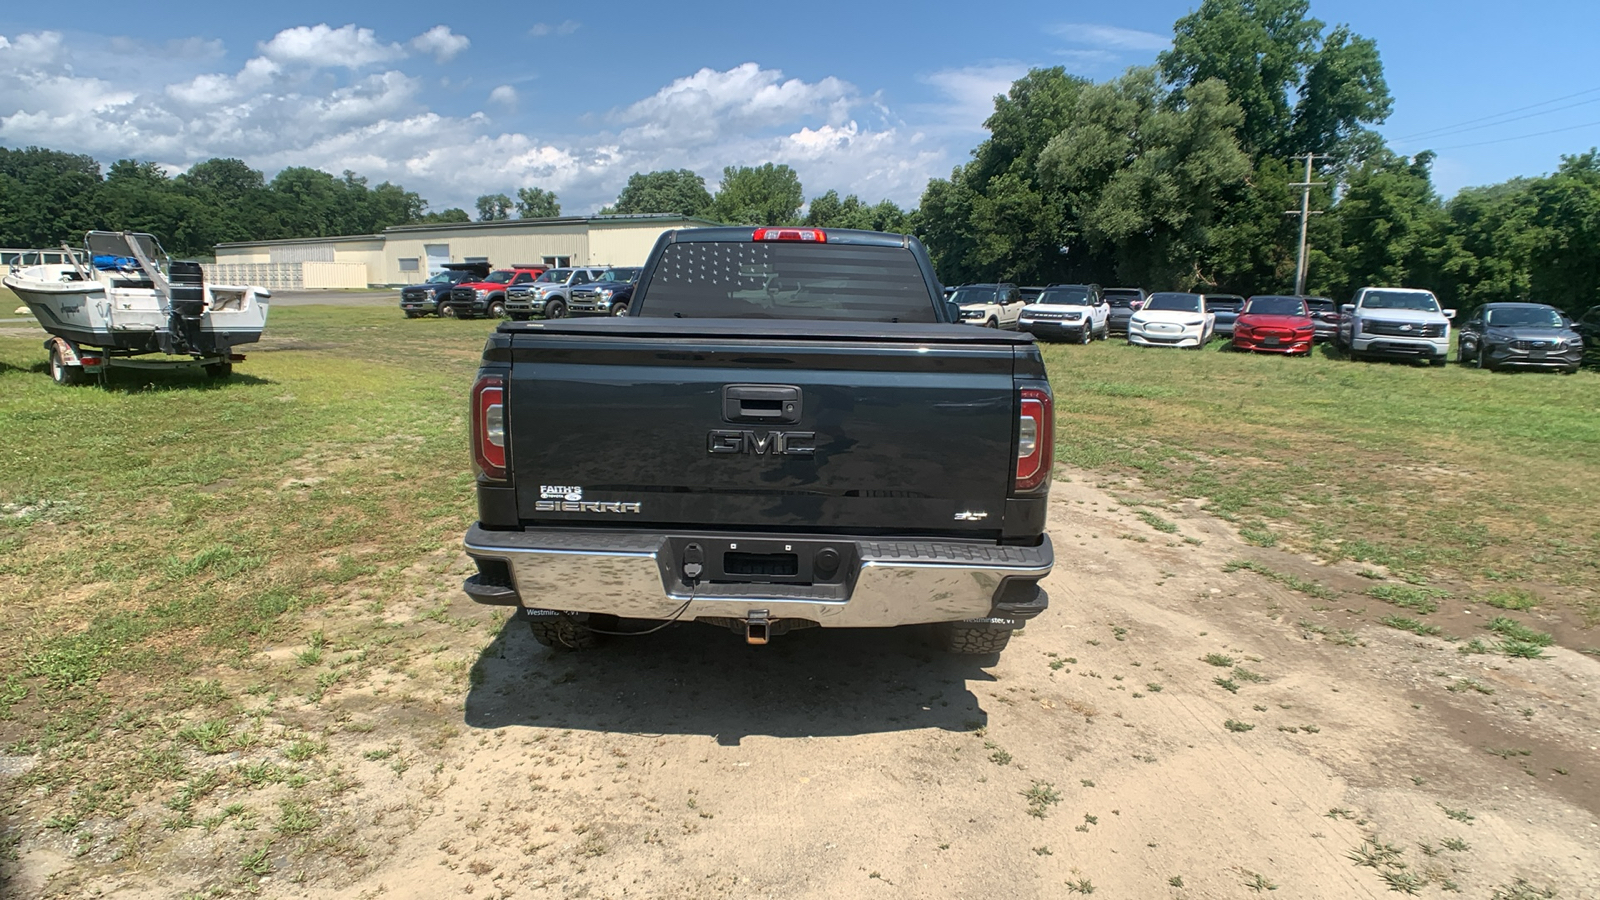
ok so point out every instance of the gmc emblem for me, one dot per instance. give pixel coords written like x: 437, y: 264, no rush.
x: 772, y: 443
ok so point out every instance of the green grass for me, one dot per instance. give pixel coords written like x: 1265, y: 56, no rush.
x: 1419, y: 599
x: 1513, y: 630
x: 1367, y: 462
x: 1288, y: 580
x: 1412, y: 625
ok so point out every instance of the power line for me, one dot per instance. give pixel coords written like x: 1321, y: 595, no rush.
x: 1420, y: 134
x: 1520, y: 137
x: 1447, y: 132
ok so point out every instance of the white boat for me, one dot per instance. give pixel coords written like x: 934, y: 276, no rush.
x: 125, y: 298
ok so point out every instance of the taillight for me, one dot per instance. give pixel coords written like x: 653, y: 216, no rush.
x: 790, y: 234
x: 489, y: 427
x: 1036, y: 439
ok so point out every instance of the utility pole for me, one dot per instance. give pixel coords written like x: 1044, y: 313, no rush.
x: 1305, y: 212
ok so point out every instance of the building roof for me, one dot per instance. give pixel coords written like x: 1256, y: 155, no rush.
x: 409, y: 230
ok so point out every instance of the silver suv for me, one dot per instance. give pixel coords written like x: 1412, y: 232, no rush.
x: 1395, y: 323
x: 548, y: 294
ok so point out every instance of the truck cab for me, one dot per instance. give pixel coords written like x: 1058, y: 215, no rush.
x: 550, y: 293
x: 429, y: 296
x: 474, y: 299
x: 1395, y: 323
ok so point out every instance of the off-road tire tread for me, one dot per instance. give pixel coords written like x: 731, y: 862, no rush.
x: 961, y: 639
x: 564, y: 634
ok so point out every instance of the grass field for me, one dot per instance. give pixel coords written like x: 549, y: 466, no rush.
x: 1484, y: 480
x: 162, y: 531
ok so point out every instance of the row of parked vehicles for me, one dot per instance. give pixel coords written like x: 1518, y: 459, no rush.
x: 1378, y: 323
x: 471, y: 290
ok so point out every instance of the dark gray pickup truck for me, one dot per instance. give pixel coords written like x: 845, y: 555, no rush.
x: 787, y: 430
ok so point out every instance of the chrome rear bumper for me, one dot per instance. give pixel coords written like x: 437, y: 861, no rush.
x: 638, y: 576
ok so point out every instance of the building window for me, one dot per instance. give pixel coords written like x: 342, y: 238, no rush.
x: 410, y: 264
x: 558, y: 262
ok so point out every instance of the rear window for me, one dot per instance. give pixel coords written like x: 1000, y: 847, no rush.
x: 781, y: 280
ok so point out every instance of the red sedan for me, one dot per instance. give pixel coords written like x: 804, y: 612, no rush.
x: 1275, y: 325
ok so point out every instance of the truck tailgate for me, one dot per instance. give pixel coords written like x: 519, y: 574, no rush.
x: 762, y: 426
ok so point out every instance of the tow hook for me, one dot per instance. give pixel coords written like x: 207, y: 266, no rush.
x: 756, y: 627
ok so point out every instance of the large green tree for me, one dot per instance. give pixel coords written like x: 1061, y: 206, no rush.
x: 1147, y: 179
x: 829, y: 211
x: 494, y: 207
x: 669, y: 191
x: 537, y: 203
x: 767, y: 194
x: 1298, y: 90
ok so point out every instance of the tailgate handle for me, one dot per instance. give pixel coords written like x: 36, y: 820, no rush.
x: 761, y: 403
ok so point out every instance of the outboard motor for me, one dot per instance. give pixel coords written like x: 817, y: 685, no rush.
x: 186, y: 284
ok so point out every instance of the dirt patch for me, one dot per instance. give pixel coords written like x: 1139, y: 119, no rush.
x: 1102, y: 751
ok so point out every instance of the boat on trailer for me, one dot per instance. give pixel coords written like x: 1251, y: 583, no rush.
x: 125, y: 299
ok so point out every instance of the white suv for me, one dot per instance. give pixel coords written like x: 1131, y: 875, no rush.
x: 1075, y: 310
x: 989, y: 305
x: 1395, y: 323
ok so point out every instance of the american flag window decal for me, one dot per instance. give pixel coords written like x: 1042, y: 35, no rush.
x: 770, y: 280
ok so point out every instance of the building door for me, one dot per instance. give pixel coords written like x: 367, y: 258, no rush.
x: 438, y: 255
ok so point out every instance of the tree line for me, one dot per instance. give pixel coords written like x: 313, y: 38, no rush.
x: 1176, y: 176
x: 1171, y: 176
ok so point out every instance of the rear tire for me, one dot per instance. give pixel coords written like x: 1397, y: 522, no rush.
x: 954, y: 637
x: 61, y: 373
x: 562, y: 633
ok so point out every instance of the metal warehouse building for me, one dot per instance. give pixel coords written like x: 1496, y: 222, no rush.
x: 407, y: 254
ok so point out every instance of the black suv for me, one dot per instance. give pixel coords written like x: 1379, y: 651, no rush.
x: 420, y: 299
x: 608, y: 296
x: 1124, y: 303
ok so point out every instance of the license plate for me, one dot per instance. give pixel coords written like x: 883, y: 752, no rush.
x: 1272, y: 342
x: 1537, y: 354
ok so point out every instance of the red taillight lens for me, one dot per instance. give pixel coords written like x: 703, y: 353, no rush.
x: 489, y: 427
x: 816, y: 235
x: 1036, y: 439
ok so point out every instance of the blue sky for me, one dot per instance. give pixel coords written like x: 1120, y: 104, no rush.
x: 868, y: 98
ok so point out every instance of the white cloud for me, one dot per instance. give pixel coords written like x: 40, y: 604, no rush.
x: 545, y: 29
x: 970, y: 91
x: 284, y: 107
x: 441, y: 43
x: 319, y: 46
x: 1112, y: 36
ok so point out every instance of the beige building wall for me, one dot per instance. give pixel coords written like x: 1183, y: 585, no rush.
x: 623, y: 244
x: 247, y: 255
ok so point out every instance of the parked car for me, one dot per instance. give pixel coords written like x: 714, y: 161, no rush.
x: 989, y: 305
x: 1078, y: 311
x: 1124, y: 302
x: 1325, y: 315
x: 1226, y: 308
x: 1030, y: 293
x: 548, y: 294
x: 1172, y: 319
x: 830, y: 454
x: 1588, y: 328
x: 608, y: 295
x: 1524, y: 335
x: 1395, y: 323
x: 1275, y: 324
x: 472, y: 299
x: 429, y: 296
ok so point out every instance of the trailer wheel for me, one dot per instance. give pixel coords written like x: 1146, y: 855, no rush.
x: 60, y: 372
x: 219, y: 370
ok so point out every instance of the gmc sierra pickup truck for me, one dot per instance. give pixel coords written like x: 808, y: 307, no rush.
x: 788, y: 429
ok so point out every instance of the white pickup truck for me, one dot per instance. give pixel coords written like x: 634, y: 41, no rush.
x: 989, y: 305
x: 1078, y: 311
x: 1395, y: 323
